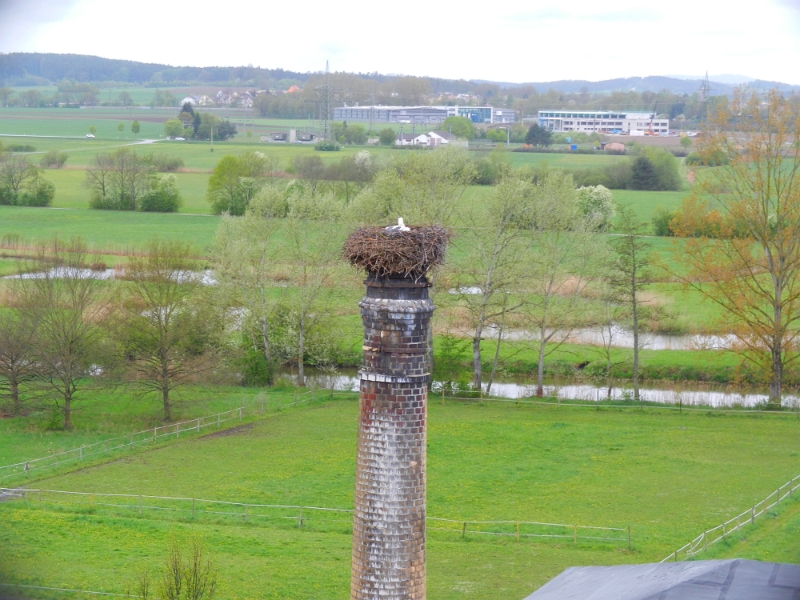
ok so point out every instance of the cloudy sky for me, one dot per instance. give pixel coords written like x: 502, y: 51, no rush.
x: 513, y: 40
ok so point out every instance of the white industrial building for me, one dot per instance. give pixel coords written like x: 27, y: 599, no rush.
x: 631, y: 123
x: 423, y: 114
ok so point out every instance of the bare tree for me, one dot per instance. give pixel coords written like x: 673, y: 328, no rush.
x: 165, y: 329
x: 188, y: 573
x: 68, y: 303
x: 17, y: 357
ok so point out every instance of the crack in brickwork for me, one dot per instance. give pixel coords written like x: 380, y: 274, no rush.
x: 389, y: 516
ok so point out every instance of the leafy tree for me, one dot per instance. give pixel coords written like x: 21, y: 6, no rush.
x: 245, y: 251
x: 751, y: 271
x: 631, y: 273
x: 643, y: 175
x: 538, y: 136
x: 235, y: 181
x: 421, y: 187
x: 163, y: 195
x: 92, y: 129
x: 124, y: 99
x: 686, y: 142
x: 597, y: 205
x: 173, y: 128
x: 118, y: 180
x: 493, y: 265
x: 121, y: 127
x: 135, y: 127
x: 53, y: 159
x: 666, y: 167
x: 387, y: 136
x: 461, y: 127
x: 5, y: 95
x: 311, y: 170
x: 564, y: 253
x: 22, y: 183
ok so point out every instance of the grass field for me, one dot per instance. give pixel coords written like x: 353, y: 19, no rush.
x: 668, y: 475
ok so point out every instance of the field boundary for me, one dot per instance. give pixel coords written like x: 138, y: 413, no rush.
x: 748, y: 517
x: 160, y: 433
x: 301, y: 515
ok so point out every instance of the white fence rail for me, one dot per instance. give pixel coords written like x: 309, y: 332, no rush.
x: 731, y: 526
x: 156, y: 434
x: 167, y: 507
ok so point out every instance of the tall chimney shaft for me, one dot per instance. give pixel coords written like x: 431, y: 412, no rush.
x: 389, y: 517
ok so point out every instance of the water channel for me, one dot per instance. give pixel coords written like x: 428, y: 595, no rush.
x: 695, y: 394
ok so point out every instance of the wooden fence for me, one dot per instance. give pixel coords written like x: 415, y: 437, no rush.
x: 731, y: 526
x: 299, y: 516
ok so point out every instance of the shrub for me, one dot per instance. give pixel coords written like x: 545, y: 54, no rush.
x: 643, y: 175
x: 661, y: 220
x: 164, y: 163
x: 20, y: 148
x: 327, y: 146
x: 597, y: 205
x: 53, y: 159
x: 40, y: 192
x: 162, y: 197
x: 387, y: 136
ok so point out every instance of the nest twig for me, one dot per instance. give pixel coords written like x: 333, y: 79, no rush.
x: 386, y: 252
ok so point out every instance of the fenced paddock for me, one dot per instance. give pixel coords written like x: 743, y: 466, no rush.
x: 316, y: 518
x: 715, y: 534
x: 170, y: 432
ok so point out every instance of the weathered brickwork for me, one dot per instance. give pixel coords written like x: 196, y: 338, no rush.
x: 389, y: 517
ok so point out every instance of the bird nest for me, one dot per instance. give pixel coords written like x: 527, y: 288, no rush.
x: 385, y: 252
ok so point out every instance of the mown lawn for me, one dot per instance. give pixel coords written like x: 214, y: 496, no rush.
x: 668, y: 475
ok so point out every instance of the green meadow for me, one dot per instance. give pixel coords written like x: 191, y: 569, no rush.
x: 668, y: 475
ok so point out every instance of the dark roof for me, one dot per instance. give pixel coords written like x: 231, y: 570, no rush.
x: 735, y: 579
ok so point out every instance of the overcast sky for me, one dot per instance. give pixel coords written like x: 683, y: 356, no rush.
x: 513, y: 40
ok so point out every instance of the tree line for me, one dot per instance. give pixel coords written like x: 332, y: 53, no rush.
x: 531, y: 264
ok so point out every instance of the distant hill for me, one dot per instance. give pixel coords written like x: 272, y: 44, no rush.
x: 34, y: 68
x: 643, y: 84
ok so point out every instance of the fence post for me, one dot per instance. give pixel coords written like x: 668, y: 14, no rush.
x: 629, y: 537
x: 705, y: 539
x: 27, y: 469
x: 464, y: 530
x: 192, y: 508
x: 80, y: 452
x: 517, y: 530
x: 575, y: 533
x: 131, y: 439
x: 40, y: 498
x: 676, y: 556
x: 154, y: 434
x: 91, y: 500
x: 140, y: 506
x: 240, y: 413
x: 753, y: 515
x: 778, y: 496
x: 245, y: 513
x: 300, y: 518
x: 177, y: 430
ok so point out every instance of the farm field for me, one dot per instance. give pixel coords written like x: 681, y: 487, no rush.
x: 666, y: 474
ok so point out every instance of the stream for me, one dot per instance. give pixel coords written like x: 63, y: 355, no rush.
x: 705, y: 395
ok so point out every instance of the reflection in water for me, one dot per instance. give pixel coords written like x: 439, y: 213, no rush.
x: 716, y: 396
x: 622, y: 338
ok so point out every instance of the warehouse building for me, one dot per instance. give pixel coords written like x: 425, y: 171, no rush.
x: 631, y: 123
x: 423, y: 114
